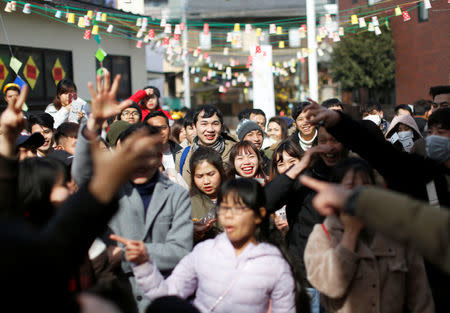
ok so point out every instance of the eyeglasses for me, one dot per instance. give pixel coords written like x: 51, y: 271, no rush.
x: 222, y: 210
x: 134, y: 113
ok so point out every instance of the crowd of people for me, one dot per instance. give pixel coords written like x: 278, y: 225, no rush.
x: 112, y: 206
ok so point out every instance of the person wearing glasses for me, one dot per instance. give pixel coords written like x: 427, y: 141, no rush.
x: 240, y: 270
x: 132, y: 114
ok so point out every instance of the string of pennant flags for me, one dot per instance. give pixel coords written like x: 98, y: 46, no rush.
x: 223, y: 39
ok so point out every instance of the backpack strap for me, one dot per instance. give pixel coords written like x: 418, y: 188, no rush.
x: 326, y: 231
x: 183, y: 158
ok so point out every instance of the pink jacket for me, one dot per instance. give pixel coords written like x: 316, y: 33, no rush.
x: 258, y: 274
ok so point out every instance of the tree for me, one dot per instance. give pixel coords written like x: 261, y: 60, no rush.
x: 364, y: 60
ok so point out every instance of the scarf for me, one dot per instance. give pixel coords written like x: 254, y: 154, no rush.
x: 219, y: 145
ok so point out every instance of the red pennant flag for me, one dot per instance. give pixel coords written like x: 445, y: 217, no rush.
x: 406, y: 16
x: 206, y: 55
x: 258, y: 49
x: 139, y: 44
x: 206, y: 28
x: 87, y: 34
x: 176, y: 37
x: 166, y: 41
x: 151, y: 33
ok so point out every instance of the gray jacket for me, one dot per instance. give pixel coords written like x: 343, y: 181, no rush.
x: 166, y: 229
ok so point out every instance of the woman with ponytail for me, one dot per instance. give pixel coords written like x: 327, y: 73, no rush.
x: 244, y: 269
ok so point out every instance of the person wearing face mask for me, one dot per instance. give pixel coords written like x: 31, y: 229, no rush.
x: 403, y: 132
x: 372, y: 111
x: 407, y: 173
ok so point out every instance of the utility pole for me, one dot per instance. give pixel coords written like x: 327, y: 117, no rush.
x: 312, y: 50
x: 186, y: 73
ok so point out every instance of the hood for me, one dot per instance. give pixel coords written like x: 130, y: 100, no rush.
x: 407, y: 120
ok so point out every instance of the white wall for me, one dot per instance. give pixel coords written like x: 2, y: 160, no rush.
x: 40, y: 32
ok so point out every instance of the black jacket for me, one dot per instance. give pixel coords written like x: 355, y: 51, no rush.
x: 36, y: 266
x: 300, y: 213
x: 403, y: 172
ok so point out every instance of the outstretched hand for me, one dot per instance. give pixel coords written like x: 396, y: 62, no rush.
x: 319, y: 115
x: 305, y: 162
x: 330, y: 198
x: 11, y: 124
x: 104, y: 102
x: 135, y: 250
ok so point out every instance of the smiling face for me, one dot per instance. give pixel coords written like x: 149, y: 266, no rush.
x: 285, y: 161
x: 48, y: 138
x: 304, y: 126
x: 246, y: 163
x: 255, y: 137
x: 241, y: 225
x: 207, y: 179
x: 208, y: 129
x: 336, y: 152
x: 274, y: 131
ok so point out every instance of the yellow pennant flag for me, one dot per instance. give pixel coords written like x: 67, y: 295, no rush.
x: 398, y: 11
x: 237, y: 27
x: 281, y: 44
x: 354, y: 19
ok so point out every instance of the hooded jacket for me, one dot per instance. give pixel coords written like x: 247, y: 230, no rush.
x: 257, y: 275
x: 379, y: 277
x: 407, y: 120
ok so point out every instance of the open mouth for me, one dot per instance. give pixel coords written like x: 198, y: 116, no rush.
x: 247, y: 170
x: 209, y: 137
x: 229, y: 229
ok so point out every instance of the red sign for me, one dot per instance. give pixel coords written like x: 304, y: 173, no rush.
x: 31, y: 71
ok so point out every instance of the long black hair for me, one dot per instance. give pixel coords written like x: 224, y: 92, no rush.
x: 291, y: 148
x: 251, y: 193
x: 37, y: 177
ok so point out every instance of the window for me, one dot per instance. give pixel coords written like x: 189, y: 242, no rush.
x: 423, y: 13
x: 41, y: 69
x: 118, y: 64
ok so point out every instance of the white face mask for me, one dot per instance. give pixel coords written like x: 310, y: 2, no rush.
x: 406, y: 139
x: 438, y: 148
x: 374, y: 118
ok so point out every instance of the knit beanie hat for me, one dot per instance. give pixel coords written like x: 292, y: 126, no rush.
x: 115, y: 129
x: 245, y: 126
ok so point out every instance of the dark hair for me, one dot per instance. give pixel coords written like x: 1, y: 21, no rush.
x: 188, y: 119
x: 244, y: 114
x: 37, y: 176
x: 176, y: 129
x: 333, y: 102
x: 370, y: 106
x: 298, y: 109
x: 12, y: 87
x: 155, y: 114
x: 212, y: 157
x: 208, y: 111
x: 283, y: 124
x: 257, y: 112
x: 356, y: 165
x: 403, y: 107
x: 42, y: 119
x: 116, y: 292
x: 135, y: 106
x: 172, y: 304
x: 64, y: 86
x: 440, y: 118
x: 245, y: 146
x: 422, y: 106
x: 250, y: 192
x: 291, y: 148
x: 134, y: 127
x: 66, y: 130
x: 438, y: 90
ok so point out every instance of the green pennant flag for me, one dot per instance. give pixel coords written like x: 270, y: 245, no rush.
x: 97, y: 38
x: 100, y: 72
x: 100, y: 54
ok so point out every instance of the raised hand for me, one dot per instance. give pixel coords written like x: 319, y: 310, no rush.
x: 135, y: 250
x: 330, y: 198
x: 11, y: 124
x: 305, y: 162
x: 104, y: 103
x: 319, y: 115
x: 113, y: 168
